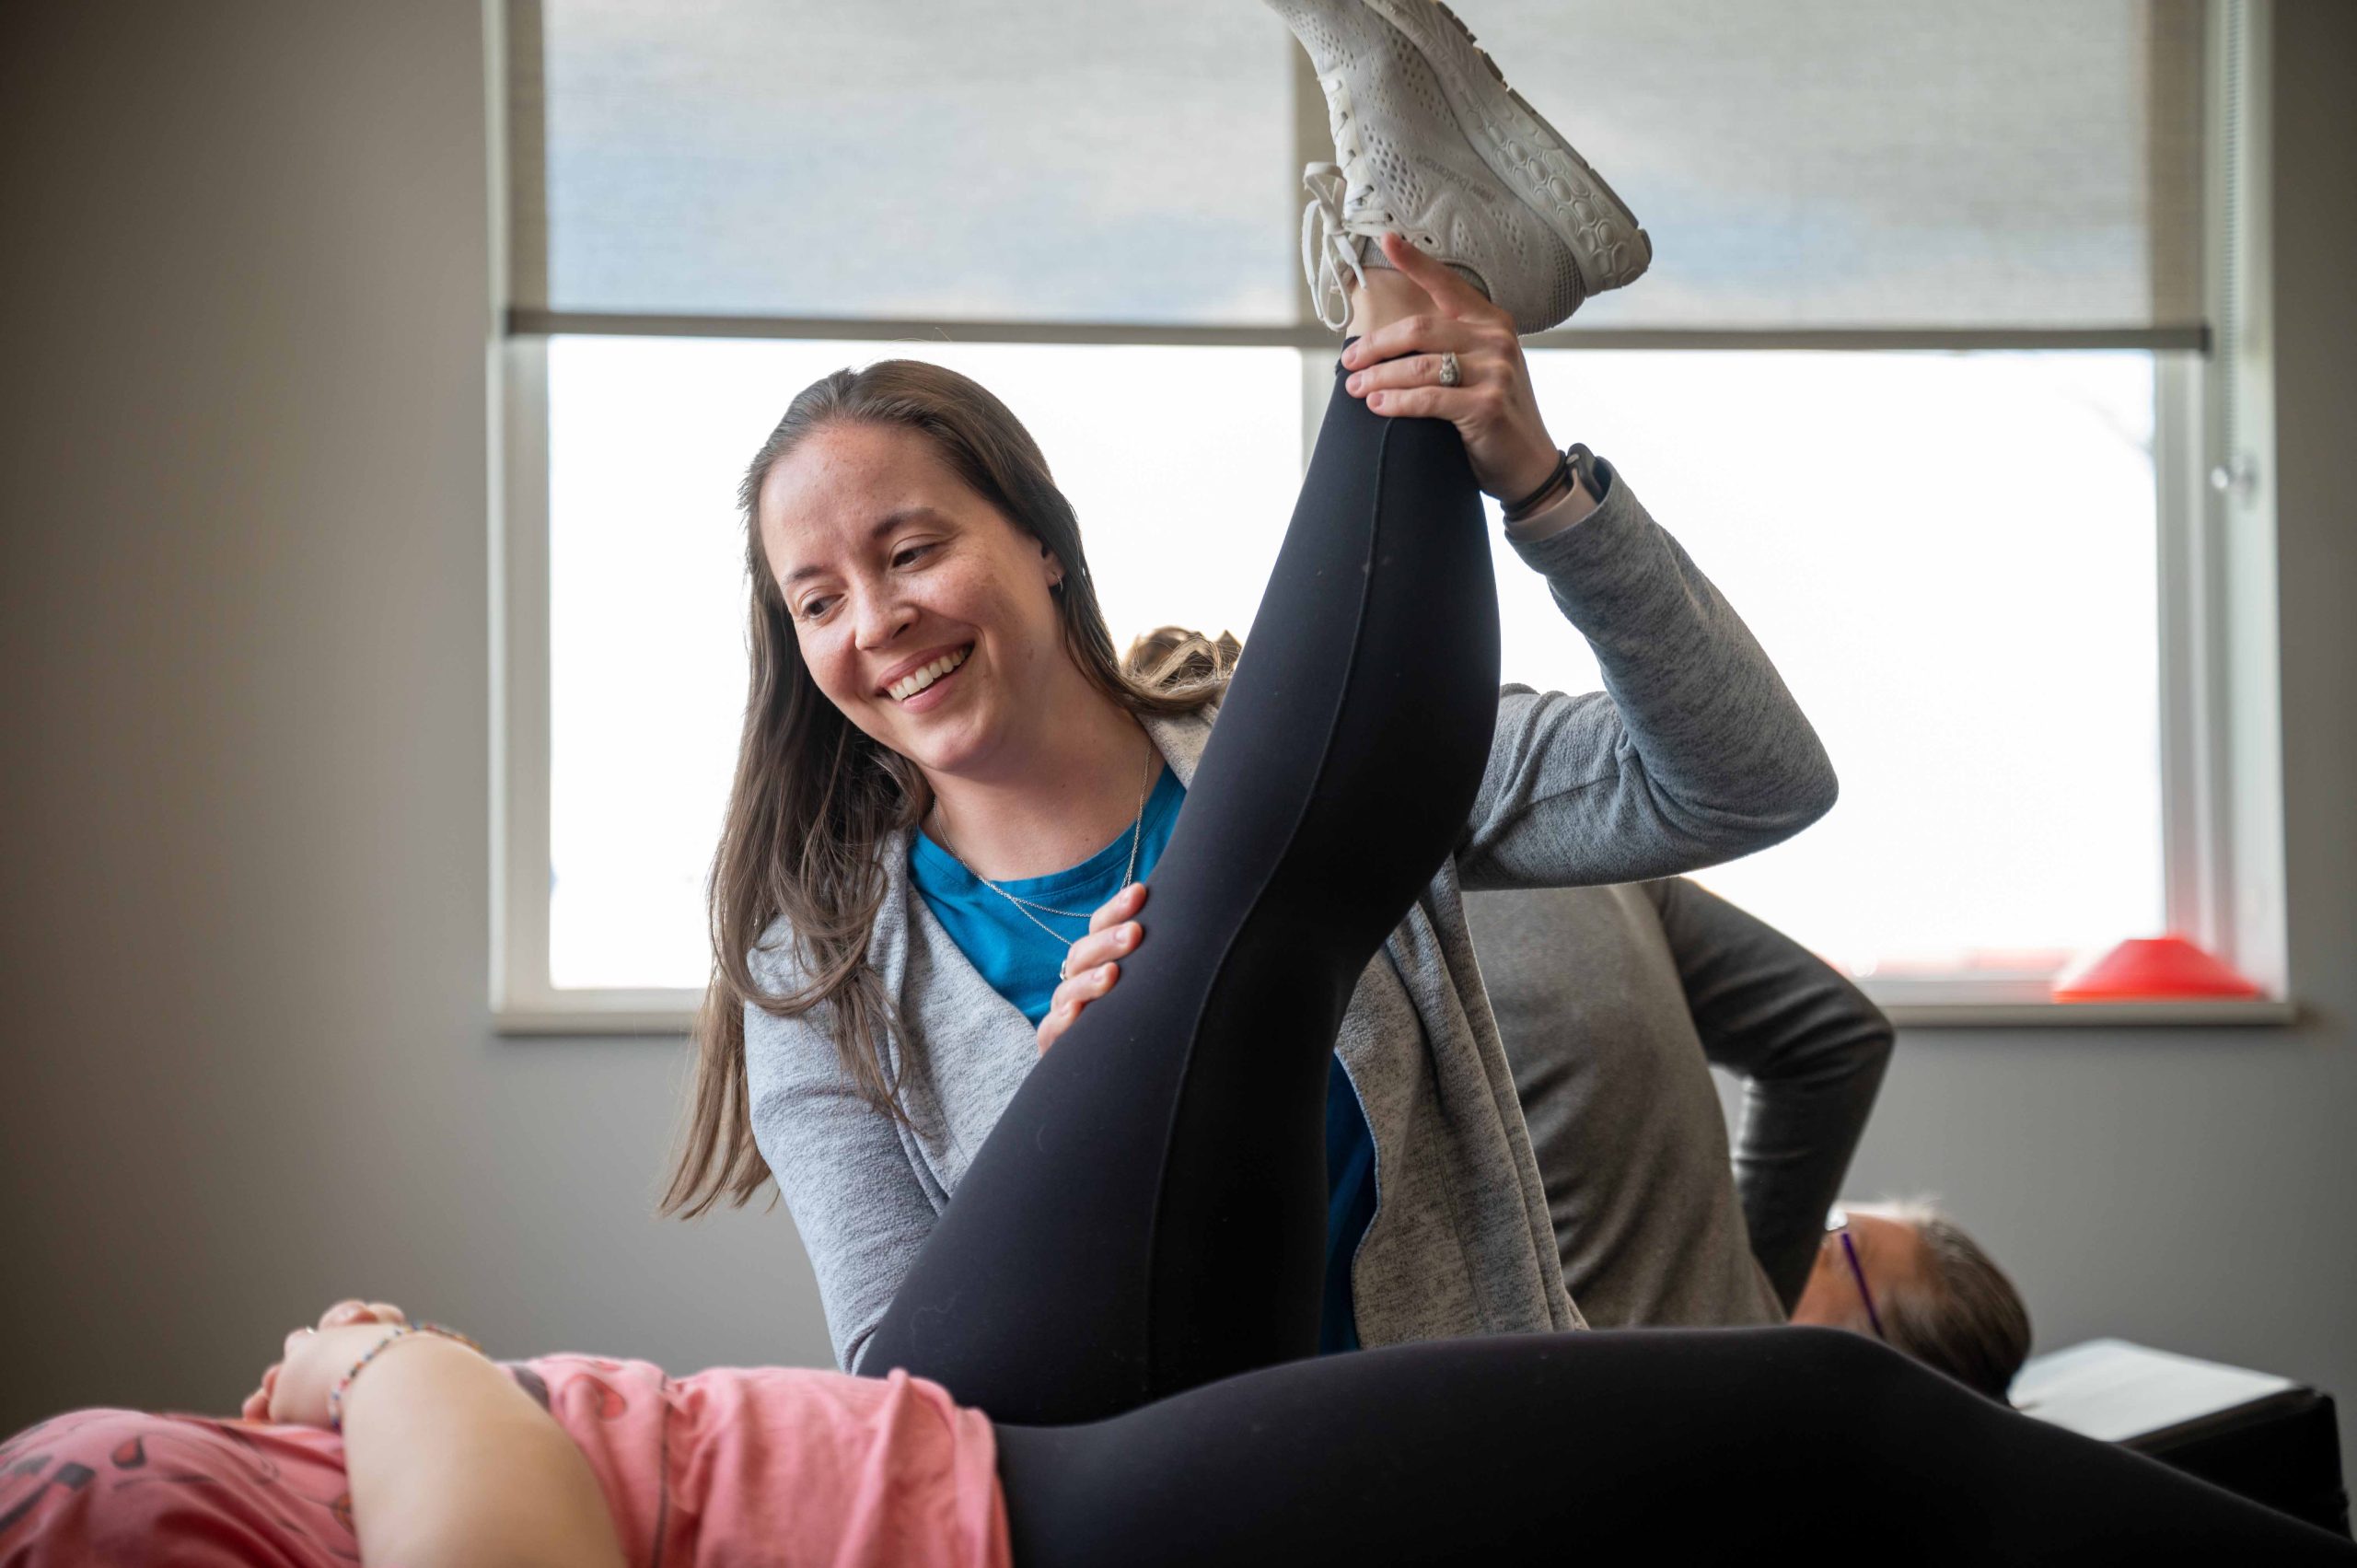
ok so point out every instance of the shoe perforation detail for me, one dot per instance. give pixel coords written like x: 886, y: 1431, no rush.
x: 1561, y: 233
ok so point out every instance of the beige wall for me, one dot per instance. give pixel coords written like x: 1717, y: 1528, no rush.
x: 249, y: 1065
x: 249, y: 1060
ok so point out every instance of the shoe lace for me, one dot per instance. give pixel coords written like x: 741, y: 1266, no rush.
x: 1328, y: 250
x: 1340, y: 212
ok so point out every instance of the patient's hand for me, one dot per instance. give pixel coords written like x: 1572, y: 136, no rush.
x: 295, y: 1388
x: 1090, y: 969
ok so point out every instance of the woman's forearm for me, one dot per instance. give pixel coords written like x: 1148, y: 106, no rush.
x: 451, y: 1463
x: 1726, y: 752
x: 1694, y: 753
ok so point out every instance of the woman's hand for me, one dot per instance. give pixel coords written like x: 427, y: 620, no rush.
x: 294, y: 1390
x: 1091, y: 968
x: 1492, y: 405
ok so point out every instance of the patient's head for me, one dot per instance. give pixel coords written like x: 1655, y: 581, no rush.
x: 1937, y: 1294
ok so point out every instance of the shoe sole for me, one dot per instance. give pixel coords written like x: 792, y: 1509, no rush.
x: 1528, y: 156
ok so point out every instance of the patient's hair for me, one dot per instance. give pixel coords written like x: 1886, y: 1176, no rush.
x: 1172, y: 658
x: 1961, y: 1316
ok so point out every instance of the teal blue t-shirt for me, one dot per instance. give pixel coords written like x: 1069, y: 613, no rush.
x: 1020, y: 960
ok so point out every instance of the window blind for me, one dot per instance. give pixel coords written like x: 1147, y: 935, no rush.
x: 1906, y: 167
x: 1051, y: 160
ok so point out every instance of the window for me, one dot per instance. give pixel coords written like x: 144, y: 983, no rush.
x: 1180, y: 461
x: 1919, y: 393
x: 1973, y: 637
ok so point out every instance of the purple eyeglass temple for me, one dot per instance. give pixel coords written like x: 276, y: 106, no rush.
x: 1858, y: 1272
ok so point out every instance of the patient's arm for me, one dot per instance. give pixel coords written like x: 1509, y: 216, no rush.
x: 1812, y: 1049
x: 451, y: 1463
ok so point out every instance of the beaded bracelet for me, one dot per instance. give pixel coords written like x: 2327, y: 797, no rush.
x: 335, y: 1395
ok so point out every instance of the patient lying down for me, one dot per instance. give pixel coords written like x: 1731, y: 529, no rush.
x: 446, y: 1456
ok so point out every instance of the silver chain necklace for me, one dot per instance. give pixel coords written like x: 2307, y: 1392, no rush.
x: 1024, y: 906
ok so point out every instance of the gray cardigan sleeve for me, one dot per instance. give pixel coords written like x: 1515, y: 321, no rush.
x: 855, y: 1198
x: 1693, y: 753
x: 1811, y: 1049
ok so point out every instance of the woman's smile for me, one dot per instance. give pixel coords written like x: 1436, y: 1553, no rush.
x: 919, y: 687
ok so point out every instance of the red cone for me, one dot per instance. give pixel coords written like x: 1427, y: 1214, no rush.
x: 2148, y: 969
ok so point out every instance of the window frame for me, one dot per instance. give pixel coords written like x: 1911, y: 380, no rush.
x: 2220, y: 720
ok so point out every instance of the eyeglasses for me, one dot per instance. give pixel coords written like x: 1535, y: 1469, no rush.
x: 1838, y: 1223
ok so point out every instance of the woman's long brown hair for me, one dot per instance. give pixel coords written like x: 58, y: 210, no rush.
x: 815, y: 797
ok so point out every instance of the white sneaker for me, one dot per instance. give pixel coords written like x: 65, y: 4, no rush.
x: 1432, y: 144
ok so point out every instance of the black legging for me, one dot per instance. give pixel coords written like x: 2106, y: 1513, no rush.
x: 1131, y: 1269
x: 1150, y: 1212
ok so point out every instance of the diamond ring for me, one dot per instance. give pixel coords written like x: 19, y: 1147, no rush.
x: 1451, y: 373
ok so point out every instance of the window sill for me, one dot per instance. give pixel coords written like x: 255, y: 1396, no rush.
x: 640, y: 1013
x: 2225, y: 1013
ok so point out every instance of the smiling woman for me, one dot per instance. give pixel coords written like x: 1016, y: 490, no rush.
x: 900, y: 511
x: 895, y: 572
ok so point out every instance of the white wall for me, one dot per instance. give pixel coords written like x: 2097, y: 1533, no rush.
x: 249, y: 1065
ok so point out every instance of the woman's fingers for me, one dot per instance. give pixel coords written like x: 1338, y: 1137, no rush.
x: 1120, y: 906
x: 1091, y: 983
x: 1112, y: 934
x: 1451, y: 293
x: 1414, y: 370
x: 352, y: 1309
x: 1059, y: 1018
x: 1093, y: 964
x: 1083, y: 987
x: 256, y: 1405
x: 1103, y: 947
x: 1462, y: 406
x: 1461, y: 317
x: 1395, y: 370
x: 1410, y: 387
x: 1425, y: 334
